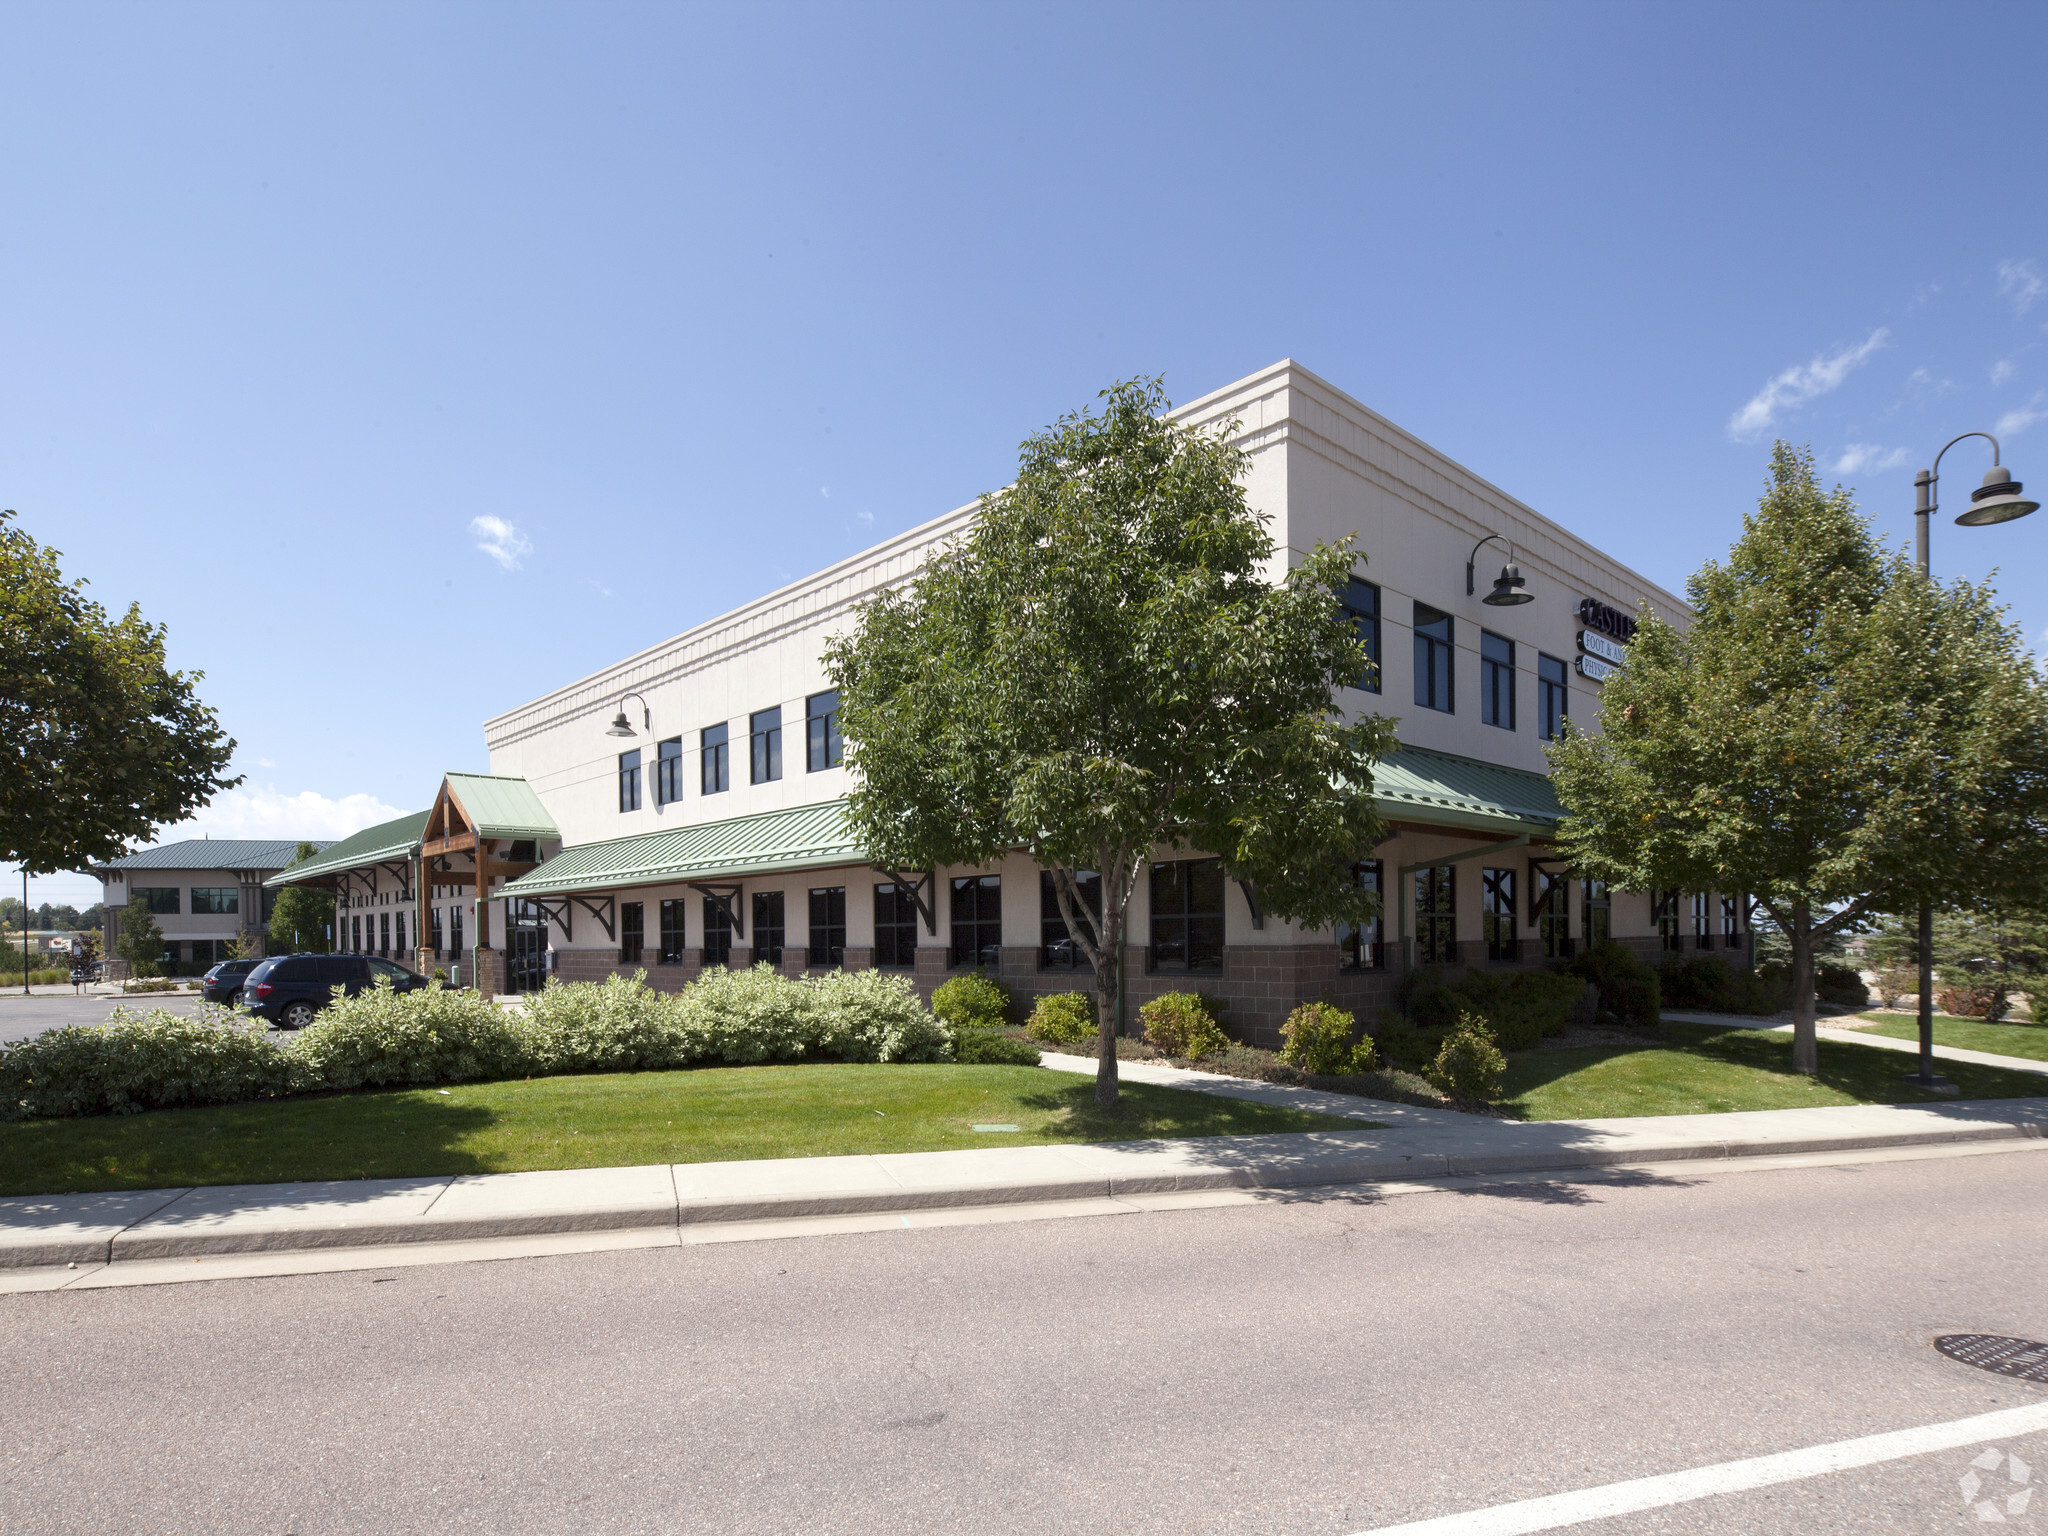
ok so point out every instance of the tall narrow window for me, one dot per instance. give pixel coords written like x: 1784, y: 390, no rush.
x: 717, y: 932
x: 977, y: 918
x: 455, y: 933
x: 1436, y: 914
x: 1187, y: 915
x: 1554, y: 914
x: 668, y: 771
x: 828, y: 926
x: 1665, y: 910
x: 895, y: 924
x: 1553, y: 697
x: 629, y: 781
x: 384, y: 931
x: 1496, y: 680
x: 1363, y: 947
x: 821, y: 732
x: 1731, y: 922
x: 398, y: 935
x: 632, y: 931
x: 768, y: 927
x: 1497, y: 913
x: 437, y: 933
x: 715, y: 769
x: 674, y: 934
x: 355, y: 935
x: 1433, y: 677
x: 1597, y: 924
x: 1361, y: 602
x: 1702, y: 934
x: 765, y: 731
x: 1057, y: 950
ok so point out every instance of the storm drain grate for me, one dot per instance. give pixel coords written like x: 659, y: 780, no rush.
x: 2023, y: 1358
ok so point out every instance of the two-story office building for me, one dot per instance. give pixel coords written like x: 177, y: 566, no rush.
x: 206, y: 895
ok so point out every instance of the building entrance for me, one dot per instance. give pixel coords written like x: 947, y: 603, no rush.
x: 526, y: 946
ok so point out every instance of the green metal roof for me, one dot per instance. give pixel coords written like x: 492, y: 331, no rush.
x: 398, y: 839
x: 1441, y: 789
x: 502, y: 807
x: 214, y: 853
x: 804, y: 837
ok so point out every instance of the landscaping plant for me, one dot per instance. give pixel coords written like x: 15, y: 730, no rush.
x: 1181, y: 1024
x: 1317, y: 1038
x: 972, y: 1000
x: 1063, y: 1018
x: 1469, y: 1064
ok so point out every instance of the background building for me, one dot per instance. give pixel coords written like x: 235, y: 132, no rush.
x: 206, y: 895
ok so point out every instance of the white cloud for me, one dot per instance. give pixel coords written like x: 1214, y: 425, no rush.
x: 2024, y: 416
x: 825, y: 491
x: 2021, y: 282
x: 501, y: 540
x: 1796, y: 386
x: 264, y: 762
x: 268, y: 812
x: 1858, y: 457
x: 2003, y: 369
x: 865, y: 518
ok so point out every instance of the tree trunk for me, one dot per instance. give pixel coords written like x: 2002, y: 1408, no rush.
x: 1805, y: 1043
x: 1109, y: 973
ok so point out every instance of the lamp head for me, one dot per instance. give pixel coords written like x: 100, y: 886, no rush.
x: 1997, y: 500
x: 1507, y: 589
x: 620, y: 725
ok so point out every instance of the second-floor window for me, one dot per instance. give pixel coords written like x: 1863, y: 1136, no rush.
x: 764, y: 728
x: 1553, y: 697
x: 1361, y: 602
x: 1496, y: 680
x: 821, y: 731
x: 1433, y: 678
x: 629, y: 780
x: 160, y: 899
x: 216, y: 899
x: 668, y: 771
x: 716, y: 767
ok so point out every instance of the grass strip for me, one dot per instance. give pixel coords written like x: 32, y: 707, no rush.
x: 611, y: 1120
x: 2006, y: 1039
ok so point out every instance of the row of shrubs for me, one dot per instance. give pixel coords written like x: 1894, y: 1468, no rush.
x: 142, y: 1061
x: 1709, y: 982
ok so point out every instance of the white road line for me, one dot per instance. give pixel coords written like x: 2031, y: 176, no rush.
x: 1561, y: 1509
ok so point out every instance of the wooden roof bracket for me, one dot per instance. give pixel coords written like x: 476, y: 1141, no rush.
x: 727, y: 899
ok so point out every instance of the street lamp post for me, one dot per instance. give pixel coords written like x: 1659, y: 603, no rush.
x: 1997, y: 500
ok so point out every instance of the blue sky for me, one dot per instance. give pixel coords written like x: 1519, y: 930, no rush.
x: 408, y: 361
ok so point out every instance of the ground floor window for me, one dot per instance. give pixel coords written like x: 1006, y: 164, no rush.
x: 1596, y: 924
x: 1731, y: 922
x: 1187, y: 915
x: 977, y: 919
x: 1554, y: 914
x: 1664, y: 905
x: 1363, y: 947
x: 436, y: 915
x: 1702, y: 935
x: 1436, y: 914
x: 355, y: 934
x: 398, y: 932
x: 673, y: 941
x: 768, y: 927
x: 1497, y: 913
x: 384, y: 934
x: 828, y: 926
x: 717, y: 932
x: 895, y: 924
x: 632, y: 931
x: 1057, y: 948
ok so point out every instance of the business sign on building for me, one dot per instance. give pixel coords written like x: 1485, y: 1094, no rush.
x: 1603, y: 643
x: 1593, y: 668
x: 1601, y: 646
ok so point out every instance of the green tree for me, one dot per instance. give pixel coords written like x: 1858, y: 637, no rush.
x: 299, y: 922
x: 101, y: 743
x: 140, y: 942
x: 1834, y: 734
x: 1100, y: 667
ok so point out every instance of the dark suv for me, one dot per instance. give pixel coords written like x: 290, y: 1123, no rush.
x: 223, y: 984
x: 292, y: 988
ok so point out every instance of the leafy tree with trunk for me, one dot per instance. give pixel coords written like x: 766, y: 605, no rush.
x: 101, y: 743
x: 1833, y: 734
x: 299, y: 921
x: 140, y: 942
x: 1101, y: 666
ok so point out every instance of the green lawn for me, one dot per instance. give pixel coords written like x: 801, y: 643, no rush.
x: 612, y: 1120
x: 1695, y: 1069
x: 2028, y: 1040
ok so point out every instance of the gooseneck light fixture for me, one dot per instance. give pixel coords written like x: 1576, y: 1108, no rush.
x: 1997, y: 500
x: 1507, y: 586
x: 621, y: 726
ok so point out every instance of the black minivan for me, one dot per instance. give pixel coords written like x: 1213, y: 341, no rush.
x: 223, y: 984
x: 290, y: 989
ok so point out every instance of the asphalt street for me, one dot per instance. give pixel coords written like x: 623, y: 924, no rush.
x: 1314, y: 1366
x: 21, y: 1017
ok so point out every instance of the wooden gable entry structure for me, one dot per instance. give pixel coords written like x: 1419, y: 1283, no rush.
x: 465, y: 849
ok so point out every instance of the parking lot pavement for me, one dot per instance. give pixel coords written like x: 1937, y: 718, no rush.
x: 21, y: 1017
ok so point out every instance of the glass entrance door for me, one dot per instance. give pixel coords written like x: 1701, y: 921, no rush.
x: 526, y: 944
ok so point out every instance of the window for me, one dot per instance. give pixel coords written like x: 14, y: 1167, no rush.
x: 455, y: 933
x: 629, y: 781
x: 384, y: 930
x: 895, y: 925
x: 672, y: 932
x: 977, y: 920
x: 398, y: 935
x: 1497, y: 912
x: 632, y: 931
x: 1433, y: 659
x: 821, y: 731
x: 1363, y: 948
x: 717, y: 948
x: 1702, y: 935
x: 160, y: 899
x: 1187, y: 915
x: 437, y: 933
x: 270, y: 896
x: 768, y: 927
x: 765, y: 731
x: 1731, y: 922
x: 1436, y: 914
x: 714, y: 771
x: 1496, y: 681
x: 355, y: 935
x: 1553, y: 698
x: 1057, y: 950
x: 1596, y: 924
x: 668, y: 771
x: 1554, y: 914
x: 1361, y: 603
x: 384, y: 969
x: 828, y: 926
x: 1664, y: 908
x: 215, y: 899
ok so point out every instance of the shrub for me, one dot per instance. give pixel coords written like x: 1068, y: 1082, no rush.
x: 1841, y: 985
x: 1711, y: 983
x: 1469, y: 1064
x: 1520, y: 1007
x: 1894, y: 982
x: 744, y: 1017
x: 1317, y: 1038
x: 140, y: 1061
x: 1970, y: 1002
x: 618, y: 1025
x: 873, y: 1016
x: 980, y: 1047
x: 1402, y: 1044
x: 970, y: 1000
x: 1628, y: 988
x: 380, y: 1037
x: 1064, y: 1018
x: 1180, y: 1024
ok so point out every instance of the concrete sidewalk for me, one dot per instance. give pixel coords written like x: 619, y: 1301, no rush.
x: 1863, y: 1037
x: 1408, y: 1144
